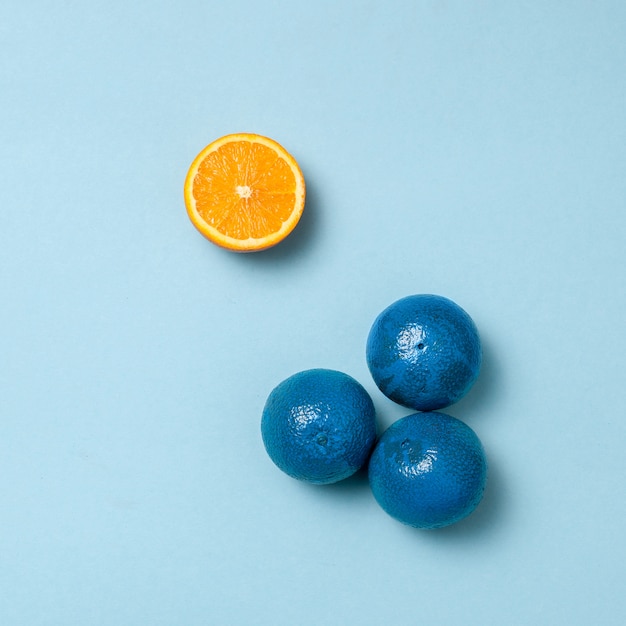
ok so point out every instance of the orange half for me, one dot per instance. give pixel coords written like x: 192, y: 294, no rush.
x: 244, y: 192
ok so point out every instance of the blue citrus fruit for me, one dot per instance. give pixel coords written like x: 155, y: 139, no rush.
x: 319, y: 426
x: 424, y: 352
x: 428, y: 470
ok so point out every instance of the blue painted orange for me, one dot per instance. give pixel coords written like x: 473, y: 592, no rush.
x: 428, y: 470
x: 424, y: 352
x: 319, y: 426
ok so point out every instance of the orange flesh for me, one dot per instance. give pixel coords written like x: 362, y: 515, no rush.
x: 244, y: 190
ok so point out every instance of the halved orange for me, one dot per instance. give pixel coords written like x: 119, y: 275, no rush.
x: 244, y: 192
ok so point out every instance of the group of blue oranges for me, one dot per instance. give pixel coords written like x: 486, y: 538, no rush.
x: 428, y: 469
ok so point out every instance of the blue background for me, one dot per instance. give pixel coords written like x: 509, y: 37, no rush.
x: 475, y: 150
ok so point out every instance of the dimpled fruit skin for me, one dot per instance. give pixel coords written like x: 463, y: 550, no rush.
x: 424, y: 352
x: 428, y: 470
x: 319, y: 426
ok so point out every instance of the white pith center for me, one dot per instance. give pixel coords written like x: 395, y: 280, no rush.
x: 244, y: 191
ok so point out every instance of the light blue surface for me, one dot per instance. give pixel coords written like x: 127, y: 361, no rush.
x: 472, y: 149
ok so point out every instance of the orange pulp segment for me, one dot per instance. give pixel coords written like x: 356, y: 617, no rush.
x: 244, y: 192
